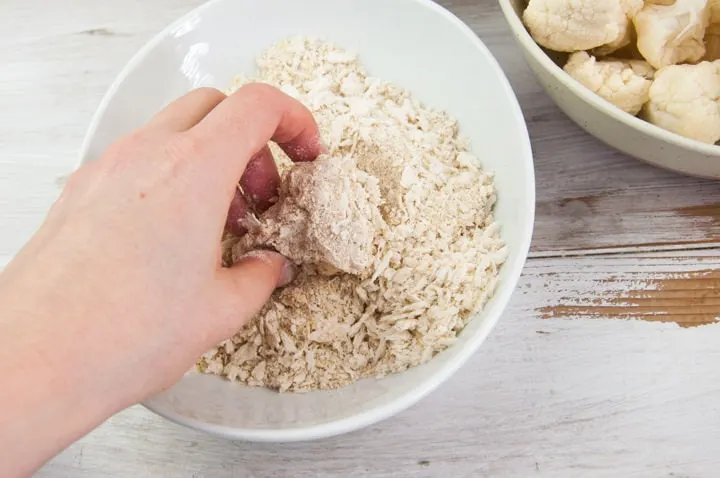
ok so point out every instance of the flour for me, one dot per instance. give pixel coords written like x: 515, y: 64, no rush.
x: 418, y: 250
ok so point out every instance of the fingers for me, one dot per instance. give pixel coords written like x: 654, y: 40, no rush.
x: 250, y: 282
x: 187, y: 111
x: 261, y: 181
x: 239, y: 127
x: 236, y: 214
x: 302, y: 151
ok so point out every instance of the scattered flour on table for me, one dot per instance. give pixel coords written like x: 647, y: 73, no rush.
x: 393, y: 231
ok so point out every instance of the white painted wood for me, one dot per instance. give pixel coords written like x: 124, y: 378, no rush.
x: 557, y: 397
x: 55, y: 73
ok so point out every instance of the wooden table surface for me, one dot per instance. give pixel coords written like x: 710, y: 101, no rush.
x: 566, y: 385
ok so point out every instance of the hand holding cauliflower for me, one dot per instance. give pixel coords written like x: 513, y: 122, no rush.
x: 682, y: 98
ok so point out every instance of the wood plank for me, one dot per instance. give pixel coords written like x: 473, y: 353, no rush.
x: 557, y: 397
x: 589, y: 196
x: 54, y: 76
x: 679, y: 287
x: 557, y: 390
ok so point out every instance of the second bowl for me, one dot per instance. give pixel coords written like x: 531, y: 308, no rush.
x: 601, y: 119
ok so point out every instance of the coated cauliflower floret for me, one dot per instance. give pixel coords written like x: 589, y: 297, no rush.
x: 624, y: 83
x: 575, y: 25
x: 327, y: 214
x: 671, y: 34
x: 685, y: 99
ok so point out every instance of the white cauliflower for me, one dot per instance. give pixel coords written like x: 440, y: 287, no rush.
x: 671, y: 34
x: 624, y: 83
x: 685, y: 99
x: 575, y: 25
x: 631, y: 8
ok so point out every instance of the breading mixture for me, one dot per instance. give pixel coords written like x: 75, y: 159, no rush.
x: 394, y: 232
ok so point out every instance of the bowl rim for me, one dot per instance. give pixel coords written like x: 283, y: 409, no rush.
x: 501, y: 298
x: 531, y: 46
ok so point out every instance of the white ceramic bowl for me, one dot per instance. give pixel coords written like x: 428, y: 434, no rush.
x: 412, y: 42
x: 601, y: 119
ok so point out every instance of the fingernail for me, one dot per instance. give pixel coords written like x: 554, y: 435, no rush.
x: 287, y: 274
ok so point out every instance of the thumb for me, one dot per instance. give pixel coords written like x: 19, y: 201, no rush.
x: 250, y: 282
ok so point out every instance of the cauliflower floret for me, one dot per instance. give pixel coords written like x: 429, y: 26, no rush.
x: 712, y: 48
x: 671, y: 34
x: 685, y: 99
x: 712, y: 33
x: 574, y: 25
x: 714, y: 6
x: 624, y: 83
x: 712, y: 43
x: 631, y: 8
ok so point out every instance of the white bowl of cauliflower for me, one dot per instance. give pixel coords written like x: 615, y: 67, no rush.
x: 642, y: 76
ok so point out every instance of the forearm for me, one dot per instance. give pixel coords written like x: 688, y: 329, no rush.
x: 57, y: 380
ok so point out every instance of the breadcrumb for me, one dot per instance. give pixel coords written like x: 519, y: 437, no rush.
x: 435, y: 250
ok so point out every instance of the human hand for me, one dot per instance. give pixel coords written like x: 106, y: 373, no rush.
x: 123, y: 282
